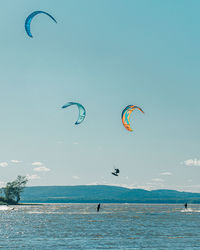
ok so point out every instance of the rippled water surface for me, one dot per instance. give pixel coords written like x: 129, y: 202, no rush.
x: 116, y: 226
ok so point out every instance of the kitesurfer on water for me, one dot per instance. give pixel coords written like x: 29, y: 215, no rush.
x: 185, y: 205
x: 98, y: 207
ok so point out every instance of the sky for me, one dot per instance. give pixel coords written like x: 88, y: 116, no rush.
x: 104, y: 55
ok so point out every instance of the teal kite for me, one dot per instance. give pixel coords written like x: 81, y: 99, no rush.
x: 30, y: 18
x: 82, y: 111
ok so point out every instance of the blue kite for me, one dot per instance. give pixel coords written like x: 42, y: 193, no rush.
x: 82, y: 111
x: 30, y: 18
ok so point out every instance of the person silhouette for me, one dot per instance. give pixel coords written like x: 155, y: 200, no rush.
x: 185, y: 205
x: 116, y: 172
x: 98, y: 207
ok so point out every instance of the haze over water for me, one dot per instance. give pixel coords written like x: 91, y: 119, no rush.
x: 116, y: 226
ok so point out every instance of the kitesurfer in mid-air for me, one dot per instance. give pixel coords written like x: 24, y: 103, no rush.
x: 116, y: 172
x: 98, y: 207
x: 185, y: 205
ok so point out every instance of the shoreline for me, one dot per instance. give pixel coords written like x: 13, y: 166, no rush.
x: 103, y: 202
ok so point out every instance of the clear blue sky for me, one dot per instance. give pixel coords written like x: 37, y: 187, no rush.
x: 105, y: 55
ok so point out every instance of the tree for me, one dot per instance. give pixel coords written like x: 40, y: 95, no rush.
x: 14, y: 189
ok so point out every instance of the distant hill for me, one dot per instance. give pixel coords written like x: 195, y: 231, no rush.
x: 104, y: 194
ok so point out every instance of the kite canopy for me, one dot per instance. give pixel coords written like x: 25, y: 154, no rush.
x: 30, y: 18
x: 82, y: 111
x: 126, y: 115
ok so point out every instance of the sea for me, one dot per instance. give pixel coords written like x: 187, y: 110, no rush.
x: 115, y: 226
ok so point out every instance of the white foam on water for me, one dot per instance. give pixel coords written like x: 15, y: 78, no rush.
x: 43, y: 212
x: 189, y: 210
x: 88, y: 212
x: 4, y: 207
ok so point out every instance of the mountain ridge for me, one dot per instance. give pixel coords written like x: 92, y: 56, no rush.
x: 104, y: 193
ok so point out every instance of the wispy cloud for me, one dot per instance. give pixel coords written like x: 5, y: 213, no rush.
x: 147, y: 186
x: 41, y: 169
x: 130, y: 186
x: 3, y: 164
x: 32, y: 177
x: 15, y: 161
x: 37, y: 163
x: 60, y: 142
x: 166, y: 173
x: 75, y: 143
x: 157, y: 180
x: 94, y: 183
x: 192, y: 162
x: 187, y: 188
x: 75, y: 177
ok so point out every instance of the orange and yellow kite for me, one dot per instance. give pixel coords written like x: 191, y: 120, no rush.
x: 126, y: 115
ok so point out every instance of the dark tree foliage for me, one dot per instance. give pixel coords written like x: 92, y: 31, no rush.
x: 13, y: 189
